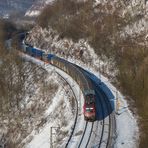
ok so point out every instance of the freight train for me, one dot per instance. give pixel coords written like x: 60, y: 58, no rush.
x: 89, y: 108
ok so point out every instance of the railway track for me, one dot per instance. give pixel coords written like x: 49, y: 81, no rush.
x: 103, y: 123
x: 90, y: 135
x: 107, y: 126
x: 84, y: 141
x: 86, y: 129
x: 77, y: 110
x: 111, y: 122
x: 103, y: 134
x: 47, y: 66
x: 94, y: 133
x: 89, y: 128
x: 83, y: 134
x: 103, y: 138
x: 76, y: 116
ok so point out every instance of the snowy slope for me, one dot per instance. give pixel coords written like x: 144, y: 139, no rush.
x: 42, y: 139
x: 127, y: 128
x: 22, y: 7
x: 37, y: 7
x: 9, y: 7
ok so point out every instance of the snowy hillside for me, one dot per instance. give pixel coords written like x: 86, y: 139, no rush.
x: 36, y: 8
x: 45, y: 100
x: 130, y: 5
x: 127, y: 133
x: 81, y: 53
x: 50, y: 105
x: 10, y: 7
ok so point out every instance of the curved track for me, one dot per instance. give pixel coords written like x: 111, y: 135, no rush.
x: 76, y: 110
x: 83, y: 134
x: 106, y: 125
x: 96, y: 134
x: 84, y: 141
x: 102, y: 139
x: 88, y: 128
x: 104, y: 132
x: 109, y: 122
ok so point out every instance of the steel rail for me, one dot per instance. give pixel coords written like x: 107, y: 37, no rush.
x: 95, y: 130
x: 90, y: 135
x: 102, y: 131
x: 81, y: 72
x: 76, y: 117
x: 84, y: 77
x: 83, y: 134
x: 109, y: 126
x: 108, y: 145
x: 86, y: 80
x: 108, y: 106
x: 87, y: 83
x: 103, y: 122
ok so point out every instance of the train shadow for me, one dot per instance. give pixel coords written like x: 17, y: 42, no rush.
x: 105, y: 100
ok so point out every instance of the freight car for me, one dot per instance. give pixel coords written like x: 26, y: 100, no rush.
x: 83, y: 81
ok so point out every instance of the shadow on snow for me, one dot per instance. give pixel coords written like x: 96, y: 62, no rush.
x: 104, y: 97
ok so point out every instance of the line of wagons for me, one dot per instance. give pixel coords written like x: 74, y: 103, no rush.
x: 89, y: 108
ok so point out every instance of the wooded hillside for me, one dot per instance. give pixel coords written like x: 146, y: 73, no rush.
x: 103, y: 26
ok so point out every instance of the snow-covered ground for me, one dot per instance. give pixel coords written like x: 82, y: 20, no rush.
x: 37, y: 7
x: 43, y: 138
x: 83, y: 55
x: 126, y: 124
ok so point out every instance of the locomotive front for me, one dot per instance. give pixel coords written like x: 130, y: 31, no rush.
x: 89, y: 108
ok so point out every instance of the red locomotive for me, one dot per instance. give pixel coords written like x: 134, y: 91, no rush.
x: 89, y: 108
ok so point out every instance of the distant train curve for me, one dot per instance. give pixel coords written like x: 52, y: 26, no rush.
x: 89, y: 107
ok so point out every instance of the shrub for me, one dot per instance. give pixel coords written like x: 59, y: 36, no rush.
x: 69, y: 18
